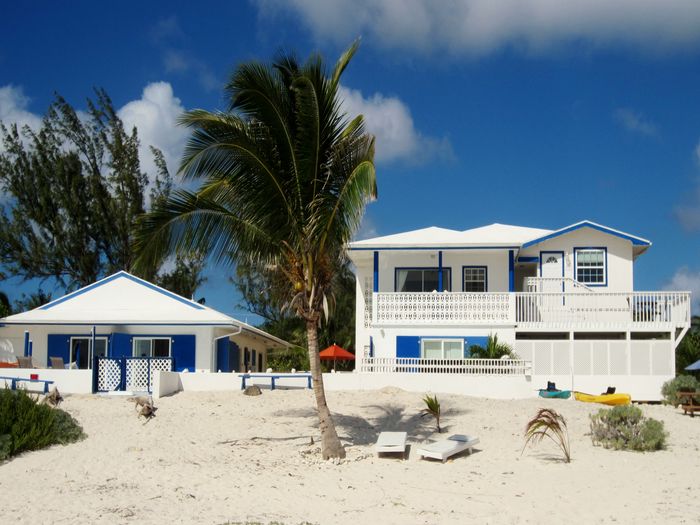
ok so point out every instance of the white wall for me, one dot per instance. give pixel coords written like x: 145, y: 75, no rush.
x: 67, y: 381
x: 165, y: 383
x: 620, y: 264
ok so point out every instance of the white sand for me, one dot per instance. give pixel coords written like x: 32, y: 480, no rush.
x: 225, y: 457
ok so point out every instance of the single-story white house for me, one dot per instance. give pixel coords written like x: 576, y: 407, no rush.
x: 122, y: 327
x: 563, y: 299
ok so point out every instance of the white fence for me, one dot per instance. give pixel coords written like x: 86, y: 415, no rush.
x: 568, y: 310
x: 445, y: 366
x: 443, y: 308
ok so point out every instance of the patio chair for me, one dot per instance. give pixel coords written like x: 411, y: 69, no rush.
x: 391, y: 443
x: 446, y: 448
x: 57, y: 362
x: 25, y: 362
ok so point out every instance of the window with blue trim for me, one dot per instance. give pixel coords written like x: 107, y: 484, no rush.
x: 590, y: 265
x: 422, y: 279
x: 474, y: 278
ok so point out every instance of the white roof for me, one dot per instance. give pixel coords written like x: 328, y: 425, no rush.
x: 489, y: 236
x: 125, y: 299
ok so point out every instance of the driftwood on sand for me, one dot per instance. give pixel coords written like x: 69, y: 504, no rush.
x: 53, y: 398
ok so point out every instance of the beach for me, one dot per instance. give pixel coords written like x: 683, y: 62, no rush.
x: 222, y: 457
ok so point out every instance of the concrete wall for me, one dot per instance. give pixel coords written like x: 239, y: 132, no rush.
x: 166, y: 383
x: 67, y: 381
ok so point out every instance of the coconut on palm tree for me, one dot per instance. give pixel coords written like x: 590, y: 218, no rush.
x: 284, y: 180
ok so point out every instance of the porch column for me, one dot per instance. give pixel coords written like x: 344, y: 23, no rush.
x: 440, y: 287
x: 375, y: 278
x: 26, y: 343
x: 511, y: 271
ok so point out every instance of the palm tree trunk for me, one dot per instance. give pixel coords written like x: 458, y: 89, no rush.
x: 330, y: 443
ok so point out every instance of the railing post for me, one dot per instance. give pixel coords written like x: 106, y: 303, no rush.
x: 512, y: 310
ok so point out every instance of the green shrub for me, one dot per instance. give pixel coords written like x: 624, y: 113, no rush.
x: 625, y: 428
x: 27, y: 425
x: 670, y: 389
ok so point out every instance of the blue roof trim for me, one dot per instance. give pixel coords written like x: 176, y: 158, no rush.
x: 586, y: 224
x: 118, y: 275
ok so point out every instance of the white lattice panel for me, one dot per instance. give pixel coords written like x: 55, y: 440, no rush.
x: 108, y: 375
x: 560, y: 358
x: 524, y: 350
x: 137, y: 377
x: 661, y: 357
x: 543, y: 358
x: 582, y: 358
x: 618, y: 358
x: 599, y: 355
x: 640, y: 364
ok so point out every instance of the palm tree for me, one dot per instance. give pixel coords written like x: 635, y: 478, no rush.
x: 285, y: 178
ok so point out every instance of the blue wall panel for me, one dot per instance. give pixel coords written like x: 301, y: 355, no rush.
x: 121, y: 345
x: 223, y: 359
x: 58, y: 346
x: 474, y: 340
x: 234, y: 354
x: 183, y: 350
x: 407, y: 346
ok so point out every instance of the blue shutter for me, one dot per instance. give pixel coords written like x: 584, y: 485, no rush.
x: 222, y: 355
x: 407, y: 346
x: 58, y: 346
x: 474, y: 340
x: 121, y: 345
x: 234, y: 355
x: 183, y: 350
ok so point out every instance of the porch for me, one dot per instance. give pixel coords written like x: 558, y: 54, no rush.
x: 569, y: 310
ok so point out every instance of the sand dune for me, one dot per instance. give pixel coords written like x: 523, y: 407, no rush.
x: 229, y: 458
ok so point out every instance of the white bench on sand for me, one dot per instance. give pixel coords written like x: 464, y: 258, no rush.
x: 446, y: 448
x: 391, y: 443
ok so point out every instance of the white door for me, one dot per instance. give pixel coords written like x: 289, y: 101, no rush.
x: 552, y: 269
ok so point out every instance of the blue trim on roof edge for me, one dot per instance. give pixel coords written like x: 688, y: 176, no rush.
x: 117, y: 276
x: 586, y: 224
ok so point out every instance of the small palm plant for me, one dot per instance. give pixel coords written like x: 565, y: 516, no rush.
x: 432, y: 408
x: 549, y: 423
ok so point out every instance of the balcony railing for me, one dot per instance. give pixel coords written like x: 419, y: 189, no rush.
x: 534, y: 310
x: 511, y: 367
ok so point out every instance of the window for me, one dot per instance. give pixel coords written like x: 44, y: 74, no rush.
x: 151, y: 347
x: 81, y: 350
x: 442, y: 349
x: 590, y: 265
x: 474, y: 278
x: 422, y: 279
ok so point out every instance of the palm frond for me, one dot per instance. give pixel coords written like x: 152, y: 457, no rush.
x: 548, y: 423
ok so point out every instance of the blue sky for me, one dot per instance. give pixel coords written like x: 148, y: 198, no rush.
x: 535, y: 113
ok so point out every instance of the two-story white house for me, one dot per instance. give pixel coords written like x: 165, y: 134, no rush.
x: 563, y: 299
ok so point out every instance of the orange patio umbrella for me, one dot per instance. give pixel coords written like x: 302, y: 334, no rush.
x: 335, y: 352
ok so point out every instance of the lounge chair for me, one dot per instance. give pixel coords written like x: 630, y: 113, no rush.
x: 25, y: 362
x: 391, y: 443
x: 446, y: 448
x: 57, y: 362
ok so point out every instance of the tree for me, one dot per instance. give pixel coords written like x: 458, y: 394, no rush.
x: 285, y: 179
x: 688, y: 351
x: 5, y: 309
x: 493, y: 350
x: 86, y: 191
x: 75, y: 188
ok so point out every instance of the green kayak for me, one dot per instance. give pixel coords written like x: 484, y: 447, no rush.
x: 555, y: 394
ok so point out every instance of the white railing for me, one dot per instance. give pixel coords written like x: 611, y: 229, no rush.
x: 534, y: 310
x: 601, y: 309
x: 555, y: 284
x: 512, y: 367
x: 444, y: 308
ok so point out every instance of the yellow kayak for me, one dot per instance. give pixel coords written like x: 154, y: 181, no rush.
x: 606, y: 399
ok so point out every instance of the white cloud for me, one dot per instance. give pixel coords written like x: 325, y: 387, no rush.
x: 634, y: 121
x: 480, y: 27
x: 390, y: 121
x: 13, y: 108
x: 155, y: 115
x: 685, y: 280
